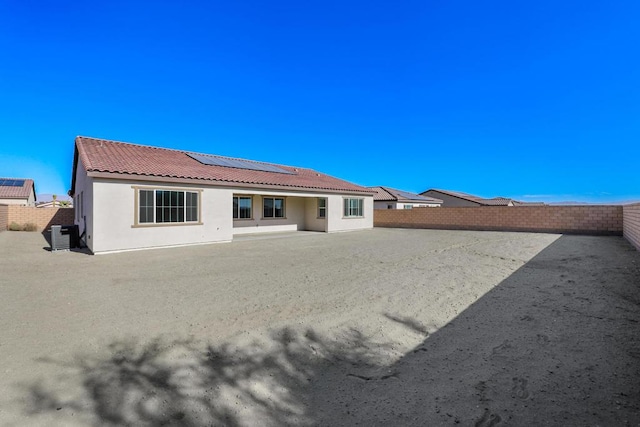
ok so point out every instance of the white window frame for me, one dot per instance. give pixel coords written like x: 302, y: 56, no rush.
x: 322, y: 209
x: 236, y: 213
x: 187, y: 210
x: 351, y: 209
x: 408, y: 207
x: 274, y: 198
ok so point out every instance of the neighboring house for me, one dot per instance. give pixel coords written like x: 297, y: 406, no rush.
x: 54, y: 201
x: 459, y: 199
x: 129, y: 196
x: 17, y: 191
x: 390, y: 198
x: 55, y: 204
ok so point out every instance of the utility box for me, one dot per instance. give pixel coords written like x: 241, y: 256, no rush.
x: 64, y: 237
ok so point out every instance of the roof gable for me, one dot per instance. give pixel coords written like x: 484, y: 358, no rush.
x: 384, y: 194
x: 495, y: 201
x: 16, y: 188
x: 120, y: 159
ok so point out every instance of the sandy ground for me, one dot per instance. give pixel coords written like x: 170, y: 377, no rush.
x: 382, y: 327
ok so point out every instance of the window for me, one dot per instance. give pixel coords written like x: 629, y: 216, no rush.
x: 389, y: 206
x: 353, y: 208
x: 408, y: 206
x: 322, y: 208
x: 273, y: 207
x: 167, y: 206
x: 241, y: 207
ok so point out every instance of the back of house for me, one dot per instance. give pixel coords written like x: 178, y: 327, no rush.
x: 129, y: 196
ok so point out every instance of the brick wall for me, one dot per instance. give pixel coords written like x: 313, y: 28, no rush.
x: 4, y: 216
x: 44, y: 218
x: 631, y: 224
x: 602, y: 220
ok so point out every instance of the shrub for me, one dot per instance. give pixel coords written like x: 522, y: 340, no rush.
x: 14, y: 226
x: 30, y: 226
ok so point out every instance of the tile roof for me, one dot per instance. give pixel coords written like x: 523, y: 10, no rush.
x: 121, y: 158
x: 496, y: 201
x: 386, y: 194
x: 12, y: 192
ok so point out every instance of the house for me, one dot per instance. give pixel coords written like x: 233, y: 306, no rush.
x: 390, y: 198
x: 459, y: 199
x: 55, y: 204
x: 17, y: 191
x: 129, y: 196
x: 54, y: 201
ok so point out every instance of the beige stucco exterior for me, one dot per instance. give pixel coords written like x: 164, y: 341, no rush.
x: 106, y: 213
x: 401, y: 205
x: 21, y: 201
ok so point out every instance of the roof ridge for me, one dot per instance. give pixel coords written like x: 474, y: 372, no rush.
x: 125, y: 158
x: 189, y: 151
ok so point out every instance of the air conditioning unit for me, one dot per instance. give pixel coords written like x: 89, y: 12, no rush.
x: 64, y: 237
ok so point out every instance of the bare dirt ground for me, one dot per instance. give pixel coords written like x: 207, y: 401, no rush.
x: 383, y: 327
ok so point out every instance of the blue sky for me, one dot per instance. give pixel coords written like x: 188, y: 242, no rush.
x: 537, y: 100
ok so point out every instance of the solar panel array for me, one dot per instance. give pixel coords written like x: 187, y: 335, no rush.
x: 409, y: 196
x: 237, y: 164
x: 11, y: 182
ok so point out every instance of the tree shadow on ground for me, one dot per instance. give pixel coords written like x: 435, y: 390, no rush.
x: 555, y: 343
x: 169, y: 382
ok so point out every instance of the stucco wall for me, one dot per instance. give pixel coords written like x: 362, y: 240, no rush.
x: 337, y: 221
x: 311, y: 220
x: 114, y: 215
x: 18, y: 202
x: 400, y: 205
x: 631, y: 224
x: 83, y: 205
x: 606, y: 220
x: 294, y: 208
x: 109, y: 207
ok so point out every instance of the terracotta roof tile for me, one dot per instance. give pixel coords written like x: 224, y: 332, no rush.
x: 387, y: 194
x: 15, y: 192
x: 99, y: 155
x: 496, y: 201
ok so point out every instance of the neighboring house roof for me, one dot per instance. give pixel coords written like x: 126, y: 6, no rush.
x: 58, y: 204
x: 16, y: 188
x: 386, y: 194
x: 521, y: 203
x: 131, y: 161
x: 48, y: 197
x: 496, y: 201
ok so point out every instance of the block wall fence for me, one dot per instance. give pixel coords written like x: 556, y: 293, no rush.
x: 587, y: 219
x: 631, y: 224
x: 4, y: 217
x: 594, y: 220
x: 43, y: 218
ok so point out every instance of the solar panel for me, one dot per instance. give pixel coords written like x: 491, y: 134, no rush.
x: 410, y: 196
x: 237, y: 164
x: 11, y: 182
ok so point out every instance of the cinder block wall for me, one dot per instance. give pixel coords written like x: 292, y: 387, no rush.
x: 4, y: 217
x: 631, y: 224
x: 44, y: 218
x: 597, y: 220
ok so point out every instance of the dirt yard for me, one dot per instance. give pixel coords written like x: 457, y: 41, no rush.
x: 383, y: 327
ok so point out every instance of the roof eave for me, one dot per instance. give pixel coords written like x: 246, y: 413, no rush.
x: 219, y: 183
